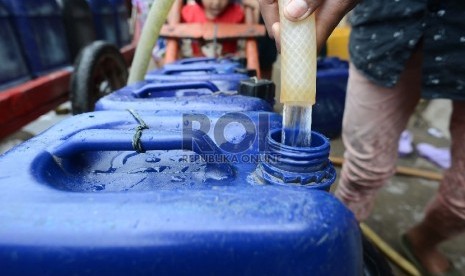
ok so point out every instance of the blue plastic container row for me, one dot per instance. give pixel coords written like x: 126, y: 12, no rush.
x: 327, y: 114
x: 111, y: 21
x: 171, y: 187
x: 181, y: 96
x: 14, y: 69
x: 225, y: 74
x: 39, y: 27
x: 331, y: 84
x: 33, y: 40
x: 195, y: 84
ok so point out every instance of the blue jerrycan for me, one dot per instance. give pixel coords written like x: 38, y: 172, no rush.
x: 126, y: 193
x: 14, y: 69
x: 331, y: 83
x: 226, y: 76
x: 103, y: 12
x: 240, y: 62
x: 121, y: 18
x: 79, y: 25
x: 181, y: 96
x: 41, y: 33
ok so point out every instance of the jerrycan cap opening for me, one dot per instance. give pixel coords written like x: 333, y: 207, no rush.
x: 306, y: 166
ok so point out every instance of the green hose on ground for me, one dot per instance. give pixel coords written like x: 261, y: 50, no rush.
x: 149, y: 36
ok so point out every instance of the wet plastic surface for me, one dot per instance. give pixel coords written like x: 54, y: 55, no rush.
x: 89, y: 203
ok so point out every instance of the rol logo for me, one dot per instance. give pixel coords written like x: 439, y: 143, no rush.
x: 232, y: 133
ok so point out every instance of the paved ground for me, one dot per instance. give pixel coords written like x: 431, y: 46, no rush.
x: 400, y: 204
x: 34, y: 128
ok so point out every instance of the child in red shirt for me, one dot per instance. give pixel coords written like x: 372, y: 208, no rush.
x: 215, y: 11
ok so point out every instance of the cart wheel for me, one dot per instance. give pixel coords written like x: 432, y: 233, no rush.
x: 99, y: 70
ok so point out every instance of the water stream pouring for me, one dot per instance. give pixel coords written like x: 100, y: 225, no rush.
x: 298, y: 78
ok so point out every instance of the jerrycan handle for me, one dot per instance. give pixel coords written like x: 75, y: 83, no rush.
x: 122, y: 140
x: 163, y: 86
x: 171, y: 69
x: 195, y: 60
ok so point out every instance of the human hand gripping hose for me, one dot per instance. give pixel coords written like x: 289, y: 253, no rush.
x: 298, y: 77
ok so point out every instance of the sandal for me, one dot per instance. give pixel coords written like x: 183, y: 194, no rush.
x: 408, y: 252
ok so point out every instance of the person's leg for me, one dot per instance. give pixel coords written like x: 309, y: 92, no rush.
x: 374, y: 118
x: 445, y: 215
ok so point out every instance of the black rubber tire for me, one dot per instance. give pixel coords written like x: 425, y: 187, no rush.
x: 99, y: 69
x: 374, y: 263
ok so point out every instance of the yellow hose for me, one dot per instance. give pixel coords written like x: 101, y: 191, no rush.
x: 298, y: 60
x: 149, y: 36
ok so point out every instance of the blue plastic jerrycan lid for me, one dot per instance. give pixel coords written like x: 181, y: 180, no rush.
x: 305, y: 166
x: 166, y: 89
x: 32, y: 7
